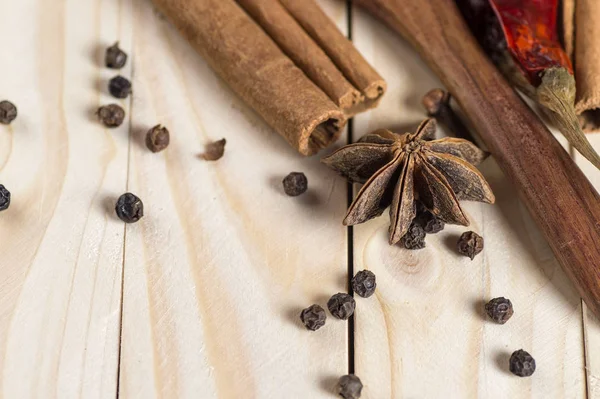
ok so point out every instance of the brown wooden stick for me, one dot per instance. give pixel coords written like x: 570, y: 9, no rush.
x: 561, y: 200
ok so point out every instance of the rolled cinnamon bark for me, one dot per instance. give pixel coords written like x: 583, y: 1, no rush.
x: 581, y: 33
x: 306, y: 54
x: 341, y: 51
x: 258, y: 71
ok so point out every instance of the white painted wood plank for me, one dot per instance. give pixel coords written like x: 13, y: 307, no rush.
x: 591, y: 323
x: 424, y: 333
x: 61, y: 245
x: 217, y: 271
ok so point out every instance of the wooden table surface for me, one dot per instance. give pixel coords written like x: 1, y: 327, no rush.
x: 200, y: 299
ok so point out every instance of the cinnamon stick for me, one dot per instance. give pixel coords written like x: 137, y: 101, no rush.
x: 258, y: 71
x: 339, y: 49
x: 587, y: 67
x: 559, y: 197
x: 305, y: 53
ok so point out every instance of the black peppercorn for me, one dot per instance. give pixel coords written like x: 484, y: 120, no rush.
x: 522, y: 363
x: 350, y: 386
x: 111, y: 115
x: 4, y: 198
x: 8, y: 112
x: 129, y: 208
x: 341, y: 305
x: 430, y: 223
x: 295, y: 184
x: 470, y: 244
x: 157, y: 138
x: 119, y: 87
x: 115, y: 57
x: 313, y: 317
x: 414, y: 237
x: 499, y: 309
x: 364, y: 283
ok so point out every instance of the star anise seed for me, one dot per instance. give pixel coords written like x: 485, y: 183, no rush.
x: 399, y: 169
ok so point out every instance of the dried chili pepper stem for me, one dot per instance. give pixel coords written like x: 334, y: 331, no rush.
x: 557, y: 94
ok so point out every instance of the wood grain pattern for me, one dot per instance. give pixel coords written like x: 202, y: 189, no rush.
x: 424, y: 333
x: 61, y: 249
x: 218, y: 270
x: 561, y: 200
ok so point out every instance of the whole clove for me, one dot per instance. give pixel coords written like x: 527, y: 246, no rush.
x: 295, y: 184
x: 499, y: 309
x: 129, y: 208
x: 4, y: 198
x: 119, y: 87
x: 414, y: 237
x: 157, y: 138
x: 115, y: 57
x: 111, y: 115
x: 341, y: 306
x: 313, y: 317
x: 437, y: 105
x: 350, y: 386
x: 521, y: 363
x: 470, y: 244
x: 8, y: 112
x: 364, y: 283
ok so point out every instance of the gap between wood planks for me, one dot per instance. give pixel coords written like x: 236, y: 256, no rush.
x: 350, y: 230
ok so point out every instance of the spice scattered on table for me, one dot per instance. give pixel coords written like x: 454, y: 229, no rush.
x: 4, y: 198
x: 115, y: 57
x: 8, y: 112
x: 439, y: 171
x: 364, y: 283
x: 129, y: 208
x: 470, y: 244
x: 341, y: 306
x: 313, y: 317
x: 350, y: 386
x: 499, y: 309
x: 430, y: 223
x: 295, y: 184
x: 214, y: 151
x: 522, y: 363
x: 119, y: 87
x: 437, y: 105
x: 414, y: 237
x: 111, y: 115
x: 157, y: 138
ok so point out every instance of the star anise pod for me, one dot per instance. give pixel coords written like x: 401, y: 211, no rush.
x: 399, y: 169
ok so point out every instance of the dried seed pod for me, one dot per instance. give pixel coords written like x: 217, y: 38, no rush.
x: 522, y: 363
x: 414, y: 237
x: 157, y: 138
x: 111, y: 115
x: 4, y: 198
x: 430, y: 223
x: 350, y: 386
x: 313, y: 317
x: 470, y: 244
x: 129, y: 208
x: 115, y: 57
x: 364, y: 283
x: 295, y: 184
x: 214, y: 150
x: 499, y: 309
x: 119, y: 87
x: 8, y: 112
x: 341, y: 305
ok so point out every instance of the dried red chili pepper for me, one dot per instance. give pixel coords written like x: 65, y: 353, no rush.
x: 521, y: 38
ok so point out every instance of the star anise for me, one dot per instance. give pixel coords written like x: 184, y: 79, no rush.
x: 399, y: 169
